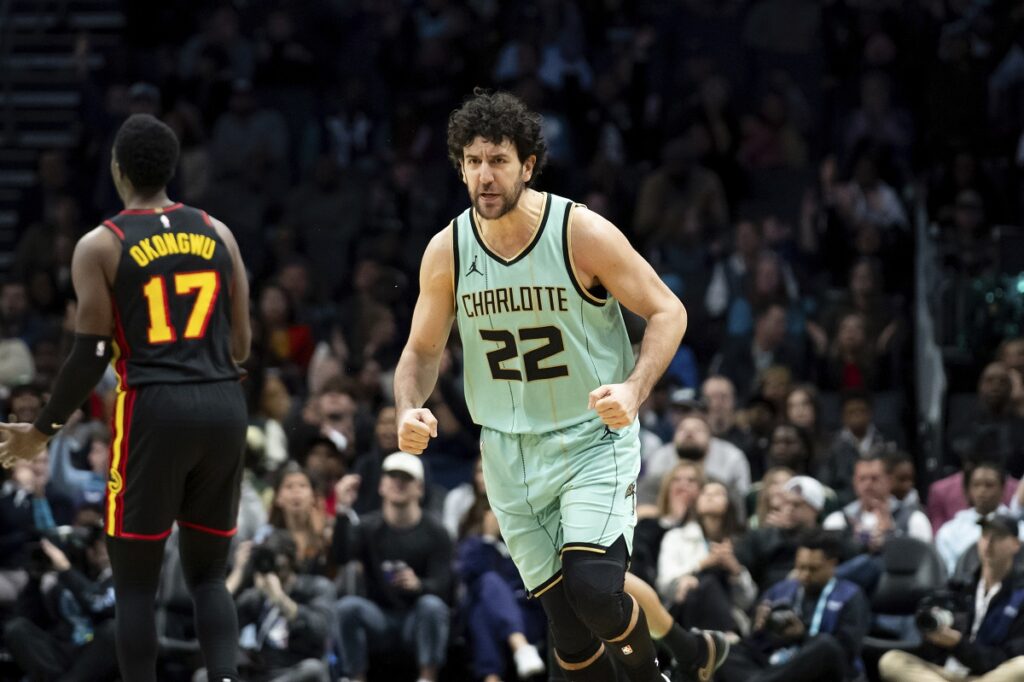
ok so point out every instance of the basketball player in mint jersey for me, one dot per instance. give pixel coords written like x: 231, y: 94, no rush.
x: 163, y: 296
x: 535, y: 283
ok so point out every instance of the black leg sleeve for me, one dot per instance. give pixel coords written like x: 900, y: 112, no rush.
x: 136, y: 566
x: 204, y: 560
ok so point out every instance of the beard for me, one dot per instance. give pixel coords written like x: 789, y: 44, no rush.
x: 691, y: 452
x: 509, y: 200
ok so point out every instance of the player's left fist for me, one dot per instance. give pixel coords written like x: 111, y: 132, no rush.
x: 615, y: 404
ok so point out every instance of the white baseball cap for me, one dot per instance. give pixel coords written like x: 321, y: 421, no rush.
x: 404, y: 462
x: 812, y: 492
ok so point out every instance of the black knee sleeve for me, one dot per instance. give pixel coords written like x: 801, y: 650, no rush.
x: 594, y: 586
x: 571, y: 637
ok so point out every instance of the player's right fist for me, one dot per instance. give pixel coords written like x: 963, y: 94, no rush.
x: 415, y: 429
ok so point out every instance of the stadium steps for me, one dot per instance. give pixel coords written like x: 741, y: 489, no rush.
x: 39, y: 89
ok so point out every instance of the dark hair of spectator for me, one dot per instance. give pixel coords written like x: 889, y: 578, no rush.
x: 985, y: 463
x: 338, y: 384
x: 495, y: 117
x: 281, y: 543
x: 146, y: 149
x: 855, y: 395
x: 313, y: 542
x: 472, y: 521
x: 23, y: 390
x: 823, y: 540
x: 894, y: 458
x: 731, y: 526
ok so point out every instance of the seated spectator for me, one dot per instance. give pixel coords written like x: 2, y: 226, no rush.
x: 284, y: 619
x: 947, y: 496
x: 676, y: 497
x: 498, y: 611
x: 699, y: 577
x: 65, y: 626
x: 771, y: 283
x: 732, y: 276
x: 768, y: 552
x: 872, y: 519
x: 900, y: 469
x: 289, y: 343
x: 81, y: 486
x: 991, y: 423
x: 405, y: 556
x: 808, y: 628
x: 791, y: 448
x: 858, y: 438
x: 331, y: 414
x: 742, y: 360
x: 804, y: 410
x: 693, y: 441
x: 774, y: 384
x: 460, y: 500
x: 984, y: 488
x: 296, y: 510
x: 719, y: 397
x: 985, y: 641
x: 764, y: 501
x: 367, y: 468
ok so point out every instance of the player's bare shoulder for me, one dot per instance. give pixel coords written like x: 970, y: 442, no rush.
x: 593, y: 240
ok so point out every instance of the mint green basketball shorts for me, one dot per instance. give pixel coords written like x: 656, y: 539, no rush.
x: 574, y: 488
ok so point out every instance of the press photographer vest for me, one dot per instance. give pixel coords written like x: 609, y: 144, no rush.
x: 786, y: 592
x: 999, y: 618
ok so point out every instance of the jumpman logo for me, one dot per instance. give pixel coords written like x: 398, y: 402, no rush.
x: 608, y: 433
x: 473, y: 268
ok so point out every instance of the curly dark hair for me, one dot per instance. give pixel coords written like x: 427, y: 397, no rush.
x: 495, y: 117
x: 147, y: 151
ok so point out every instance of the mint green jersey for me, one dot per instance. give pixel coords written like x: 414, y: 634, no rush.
x: 536, y: 343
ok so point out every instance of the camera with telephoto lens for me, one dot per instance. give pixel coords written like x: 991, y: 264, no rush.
x: 780, y: 618
x: 939, y: 610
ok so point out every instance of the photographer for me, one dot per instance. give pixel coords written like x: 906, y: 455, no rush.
x: 282, y: 620
x: 805, y: 629
x: 975, y: 632
x: 65, y: 629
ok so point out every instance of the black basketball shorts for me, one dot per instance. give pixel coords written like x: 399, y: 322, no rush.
x: 176, y: 454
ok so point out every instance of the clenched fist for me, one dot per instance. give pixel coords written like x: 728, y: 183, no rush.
x: 616, y: 404
x: 415, y: 429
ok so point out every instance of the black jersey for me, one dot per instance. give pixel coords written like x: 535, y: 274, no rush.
x: 172, y: 313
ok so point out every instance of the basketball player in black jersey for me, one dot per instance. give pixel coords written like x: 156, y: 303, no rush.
x: 162, y: 294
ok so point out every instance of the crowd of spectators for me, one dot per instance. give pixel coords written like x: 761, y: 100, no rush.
x: 770, y: 159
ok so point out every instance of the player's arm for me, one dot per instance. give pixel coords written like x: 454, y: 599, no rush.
x: 241, y: 330
x: 603, y: 256
x: 92, y: 270
x: 416, y: 373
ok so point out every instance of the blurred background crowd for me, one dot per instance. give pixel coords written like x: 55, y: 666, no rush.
x: 834, y: 188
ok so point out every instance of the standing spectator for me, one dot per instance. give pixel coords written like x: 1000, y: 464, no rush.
x: 900, y: 469
x: 405, y: 557
x: 851, y: 362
